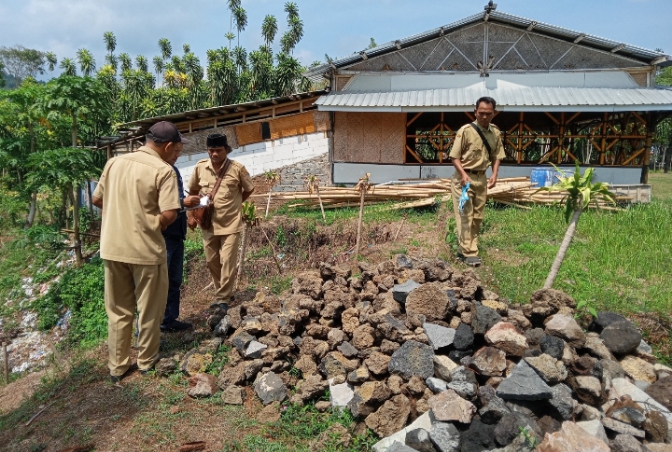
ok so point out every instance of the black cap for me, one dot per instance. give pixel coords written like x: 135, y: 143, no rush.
x: 216, y: 140
x: 166, y: 132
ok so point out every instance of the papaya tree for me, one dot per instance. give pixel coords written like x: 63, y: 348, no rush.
x: 580, y: 193
x: 312, y: 184
x: 362, y: 187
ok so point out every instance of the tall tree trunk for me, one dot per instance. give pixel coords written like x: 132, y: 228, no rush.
x: 359, y: 224
x: 319, y: 198
x: 75, y: 222
x: 564, y: 246
x: 243, y: 250
x: 32, y: 211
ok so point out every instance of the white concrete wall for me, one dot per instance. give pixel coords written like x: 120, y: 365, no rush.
x: 267, y: 155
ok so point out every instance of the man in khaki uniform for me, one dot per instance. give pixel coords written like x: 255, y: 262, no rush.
x: 139, y: 196
x: 222, y: 240
x: 471, y: 157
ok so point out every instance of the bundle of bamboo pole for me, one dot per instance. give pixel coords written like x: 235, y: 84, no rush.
x: 518, y: 191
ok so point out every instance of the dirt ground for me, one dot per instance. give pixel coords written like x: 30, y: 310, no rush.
x: 147, y: 413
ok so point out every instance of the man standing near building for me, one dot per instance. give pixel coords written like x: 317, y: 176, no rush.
x: 174, y: 235
x: 222, y: 239
x: 139, y: 197
x: 476, y: 146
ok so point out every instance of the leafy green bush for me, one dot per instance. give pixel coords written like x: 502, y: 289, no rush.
x: 82, y: 290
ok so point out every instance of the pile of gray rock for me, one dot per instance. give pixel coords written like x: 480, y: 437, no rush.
x: 430, y: 360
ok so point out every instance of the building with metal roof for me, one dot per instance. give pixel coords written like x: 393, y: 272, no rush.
x: 562, y: 96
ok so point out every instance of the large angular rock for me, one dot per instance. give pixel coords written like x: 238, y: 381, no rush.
x: 478, y: 437
x: 270, y: 388
x: 462, y: 373
x: 621, y: 338
x: 562, y: 401
x: 626, y: 443
x: 254, y: 350
x: 391, y: 417
x: 448, y: 406
x: 234, y: 375
x: 506, y: 337
x: 464, y: 337
x: 595, y: 346
x: 604, y: 319
x: 445, y: 437
x: 572, y: 438
x: 510, y: 426
x: 483, y: 318
x: 367, y: 397
x: 594, y: 428
x: 487, y: 361
x: 464, y: 389
x: 443, y: 366
x: 439, y: 336
x: 552, y: 346
x: 359, y: 376
x: 340, y: 395
x: 348, y: 350
x: 418, y: 440
x: 308, y: 283
x: 399, y: 447
x: 400, y: 291
x: 565, y: 327
x: 202, y: 386
x: 661, y: 390
x: 493, y: 411
x: 588, y: 389
x: 377, y: 363
x: 622, y: 427
x: 629, y: 415
x: 425, y: 422
x: 524, y: 384
x: 549, y: 368
x: 241, y: 339
x: 638, y: 369
x: 428, y: 300
x: 413, y: 358
x: 436, y: 385
x: 656, y: 427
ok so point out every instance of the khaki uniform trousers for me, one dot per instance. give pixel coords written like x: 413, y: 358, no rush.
x: 469, y: 223
x: 221, y: 255
x: 127, y: 287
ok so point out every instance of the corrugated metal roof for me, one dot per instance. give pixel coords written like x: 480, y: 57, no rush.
x: 644, y: 55
x: 508, y: 99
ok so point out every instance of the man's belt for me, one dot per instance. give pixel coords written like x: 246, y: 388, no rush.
x: 477, y: 173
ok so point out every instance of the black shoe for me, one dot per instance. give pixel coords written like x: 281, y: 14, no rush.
x: 117, y: 378
x: 176, y: 325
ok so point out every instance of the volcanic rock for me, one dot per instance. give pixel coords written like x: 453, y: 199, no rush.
x: 413, y: 358
x: 524, y: 384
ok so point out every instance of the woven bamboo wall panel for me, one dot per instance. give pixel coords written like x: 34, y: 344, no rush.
x: 322, y: 121
x: 369, y: 137
x: 248, y: 133
x: 292, y: 125
x: 341, y: 82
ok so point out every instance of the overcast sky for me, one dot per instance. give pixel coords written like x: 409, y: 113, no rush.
x: 335, y: 27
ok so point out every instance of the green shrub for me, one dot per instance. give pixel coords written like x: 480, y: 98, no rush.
x: 82, y: 290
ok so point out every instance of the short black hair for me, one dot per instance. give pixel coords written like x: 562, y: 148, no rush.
x: 487, y: 100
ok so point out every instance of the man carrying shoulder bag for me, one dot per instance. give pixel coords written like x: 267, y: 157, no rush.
x: 224, y: 184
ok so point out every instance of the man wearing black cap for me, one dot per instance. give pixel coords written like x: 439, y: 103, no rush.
x: 222, y: 239
x: 138, y: 194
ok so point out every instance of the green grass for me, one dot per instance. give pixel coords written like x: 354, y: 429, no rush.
x: 618, y: 260
x: 379, y: 212
x: 662, y: 186
x: 297, y: 427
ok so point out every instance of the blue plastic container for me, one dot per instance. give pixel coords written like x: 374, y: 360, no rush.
x: 543, y: 177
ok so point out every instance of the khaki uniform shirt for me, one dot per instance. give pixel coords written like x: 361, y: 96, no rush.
x: 227, y: 218
x: 468, y: 147
x: 135, y: 189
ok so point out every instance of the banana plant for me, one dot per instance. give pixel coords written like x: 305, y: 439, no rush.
x: 249, y: 214
x: 580, y: 192
x: 272, y: 178
x: 362, y: 187
x: 312, y: 184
